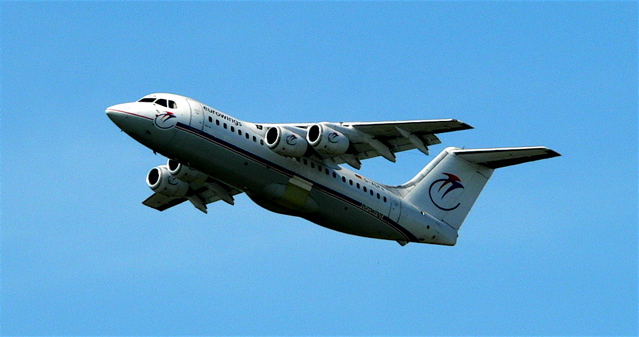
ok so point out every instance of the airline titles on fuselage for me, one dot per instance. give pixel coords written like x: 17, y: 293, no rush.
x: 372, y: 211
x: 222, y: 116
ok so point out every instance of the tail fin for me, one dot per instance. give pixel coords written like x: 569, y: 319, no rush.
x: 449, y: 185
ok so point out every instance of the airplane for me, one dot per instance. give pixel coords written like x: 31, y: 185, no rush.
x: 297, y: 169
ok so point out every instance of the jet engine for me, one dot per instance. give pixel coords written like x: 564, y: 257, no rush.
x: 326, y: 140
x: 285, y: 142
x: 162, y: 182
x: 185, y: 173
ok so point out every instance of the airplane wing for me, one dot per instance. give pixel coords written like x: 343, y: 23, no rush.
x: 397, y: 135
x: 200, y: 194
x: 372, y: 139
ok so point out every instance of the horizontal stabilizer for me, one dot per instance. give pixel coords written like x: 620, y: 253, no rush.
x: 449, y: 185
x: 502, y: 157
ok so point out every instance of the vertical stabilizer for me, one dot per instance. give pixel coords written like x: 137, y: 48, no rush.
x: 449, y: 185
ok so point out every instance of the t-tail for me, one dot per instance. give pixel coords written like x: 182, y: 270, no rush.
x: 449, y: 185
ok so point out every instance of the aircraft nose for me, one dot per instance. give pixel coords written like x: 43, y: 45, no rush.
x: 117, y: 113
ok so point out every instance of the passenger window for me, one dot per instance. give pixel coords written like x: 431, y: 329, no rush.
x: 161, y: 102
x: 172, y: 105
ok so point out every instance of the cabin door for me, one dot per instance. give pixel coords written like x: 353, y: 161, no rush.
x: 197, y: 115
x: 395, y: 208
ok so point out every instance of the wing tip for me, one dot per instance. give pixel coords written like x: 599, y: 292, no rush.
x: 465, y: 126
x: 460, y: 125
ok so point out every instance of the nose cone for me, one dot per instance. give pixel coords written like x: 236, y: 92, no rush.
x: 118, y: 113
x: 139, y: 120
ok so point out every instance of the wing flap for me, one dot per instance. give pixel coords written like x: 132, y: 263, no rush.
x: 206, y: 193
x: 162, y: 202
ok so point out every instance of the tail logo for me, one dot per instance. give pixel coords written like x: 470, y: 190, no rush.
x: 437, y: 196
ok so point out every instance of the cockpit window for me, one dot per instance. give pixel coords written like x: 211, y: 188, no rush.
x: 161, y: 101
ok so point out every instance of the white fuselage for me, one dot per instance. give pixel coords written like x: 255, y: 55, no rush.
x: 233, y: 151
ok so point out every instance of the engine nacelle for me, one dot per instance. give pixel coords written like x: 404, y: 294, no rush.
x: 285, y: 142
x: 326, y: 140
x: 185, y: 173
x: 162, y: 182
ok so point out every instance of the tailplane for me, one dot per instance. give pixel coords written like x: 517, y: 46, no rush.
x: 449, y: 185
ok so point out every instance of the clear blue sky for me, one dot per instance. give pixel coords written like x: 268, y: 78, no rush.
x: 549, y: 249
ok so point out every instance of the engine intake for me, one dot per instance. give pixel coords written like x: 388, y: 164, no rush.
x: 162, y: 182
x: 285, y: 142
x: 326, y: 140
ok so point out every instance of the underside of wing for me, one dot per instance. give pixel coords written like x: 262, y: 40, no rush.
x: 404, y: 135
x: 162, y: 202
x: 419, y: 127
x: 351, y: 142
x: 200, y: 195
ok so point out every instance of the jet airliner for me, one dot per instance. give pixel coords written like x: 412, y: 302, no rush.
x: 298, y: 169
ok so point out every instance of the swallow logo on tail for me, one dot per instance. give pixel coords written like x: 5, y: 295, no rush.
x: 441, y: 188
